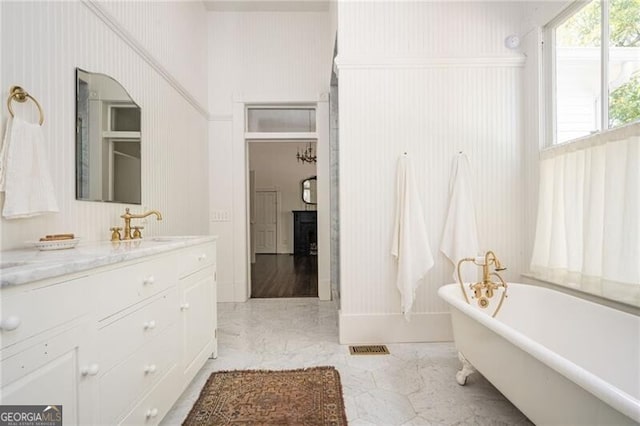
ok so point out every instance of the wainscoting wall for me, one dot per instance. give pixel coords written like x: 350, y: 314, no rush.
x: 43, y: 42
x: 430, y: 79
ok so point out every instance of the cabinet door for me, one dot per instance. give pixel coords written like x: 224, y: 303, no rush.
x: 198, y: 310
x: 48, y: 374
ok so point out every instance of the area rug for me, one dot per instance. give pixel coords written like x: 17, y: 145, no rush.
x: 311, y: 396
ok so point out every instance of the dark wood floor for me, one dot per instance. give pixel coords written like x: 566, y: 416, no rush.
x: 284, y: 275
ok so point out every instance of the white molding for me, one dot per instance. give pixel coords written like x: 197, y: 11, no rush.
x: 324, y: 289
x: 418, y: 62
x: 280, y: 136
x: 115, y: 26
x: 265, y: 101
x: 393, y: 328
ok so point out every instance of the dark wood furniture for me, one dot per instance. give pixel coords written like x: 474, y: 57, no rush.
x: 305, y: 232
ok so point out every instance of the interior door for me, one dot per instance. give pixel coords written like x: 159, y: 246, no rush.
x: 266, y: 213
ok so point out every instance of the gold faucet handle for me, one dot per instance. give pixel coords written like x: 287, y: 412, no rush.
x: 477, y: 290
x: 136, y: 231
x: 115, y: 233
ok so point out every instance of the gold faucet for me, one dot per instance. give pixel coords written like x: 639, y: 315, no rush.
x: 127, y: 223
x: 486, y: 284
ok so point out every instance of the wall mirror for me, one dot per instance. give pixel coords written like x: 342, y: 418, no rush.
x: 108, y: 139
x: 308, y: 188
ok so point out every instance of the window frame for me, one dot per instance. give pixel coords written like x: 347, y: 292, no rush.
x: 549, y: 70
x: 287, y: 106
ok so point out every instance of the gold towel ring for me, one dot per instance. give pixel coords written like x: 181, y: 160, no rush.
x: 17, y: 93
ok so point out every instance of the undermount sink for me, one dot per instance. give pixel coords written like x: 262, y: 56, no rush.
x: 170, y: 238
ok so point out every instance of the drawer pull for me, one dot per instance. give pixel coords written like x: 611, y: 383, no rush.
x: 90, y: 370
x: 202, y: 257
x: 10, y: 323
x: 149, y: 325
x: 149, y: 369
x: 184, y: 306
x: 152, y: 412
x: 149, y: 280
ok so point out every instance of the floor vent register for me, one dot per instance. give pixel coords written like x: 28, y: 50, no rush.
x: 369, y: 350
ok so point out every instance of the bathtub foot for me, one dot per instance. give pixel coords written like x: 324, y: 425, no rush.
x: 466, y: 370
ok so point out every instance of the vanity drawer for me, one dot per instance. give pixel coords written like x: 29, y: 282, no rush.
x: 120, y: 388
x: 30, y: 312
x: 151, y: 410
x: 126, y: 286
x: 195, y: 258
x: 118, y: 339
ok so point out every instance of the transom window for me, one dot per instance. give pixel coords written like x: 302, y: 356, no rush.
x: 593, y: 68
x: 270, y: 119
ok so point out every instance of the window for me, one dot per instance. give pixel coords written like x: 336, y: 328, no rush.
x: 281, y: 119
x: 593, y: 68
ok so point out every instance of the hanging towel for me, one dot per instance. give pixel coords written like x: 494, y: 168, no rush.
x: 410, y: 241
x: 24, y: 172
x: 460, y: 238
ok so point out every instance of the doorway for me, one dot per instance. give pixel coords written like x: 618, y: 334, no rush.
x: 277, y: 197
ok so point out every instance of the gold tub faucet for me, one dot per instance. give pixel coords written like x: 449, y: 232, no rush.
x: 127, y: 216
x: 485, y: 289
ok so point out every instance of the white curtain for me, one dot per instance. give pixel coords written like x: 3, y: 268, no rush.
x: 589, y: 208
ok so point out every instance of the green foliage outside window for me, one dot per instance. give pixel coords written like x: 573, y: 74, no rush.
x: 624, y: 102
x: 583, y: 29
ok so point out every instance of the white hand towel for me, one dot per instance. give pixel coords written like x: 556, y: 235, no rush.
x: 460, y: 238
x: 410, y: 241
x: 24, y: 172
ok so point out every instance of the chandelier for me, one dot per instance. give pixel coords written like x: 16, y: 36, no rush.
x: 307, y: 155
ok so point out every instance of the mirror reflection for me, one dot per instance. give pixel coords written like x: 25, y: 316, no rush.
x: 108, y: 166
x: 309, y: 190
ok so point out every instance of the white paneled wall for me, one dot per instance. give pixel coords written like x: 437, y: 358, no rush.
x: 430, y: 79
x: 426, y: 29
x: 267, y: 55
x: 42, y: 57
x: 175, y: 33
x: 276, y: 57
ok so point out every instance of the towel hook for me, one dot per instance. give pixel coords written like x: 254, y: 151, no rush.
x: 18, y: 94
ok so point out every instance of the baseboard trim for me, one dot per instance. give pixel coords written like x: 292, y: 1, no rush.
x: 393, y: 328
x: 324, y: 289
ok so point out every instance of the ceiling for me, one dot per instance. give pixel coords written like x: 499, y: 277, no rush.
x: 267, y: 5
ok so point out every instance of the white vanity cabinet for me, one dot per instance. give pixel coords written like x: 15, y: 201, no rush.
x: 198, y: 309
x: 116, y: 344
x: 43, y: 340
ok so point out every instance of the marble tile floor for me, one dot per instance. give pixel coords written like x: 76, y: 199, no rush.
x: 415, y: 385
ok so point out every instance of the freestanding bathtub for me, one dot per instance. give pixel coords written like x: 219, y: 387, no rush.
x: 560, y: 359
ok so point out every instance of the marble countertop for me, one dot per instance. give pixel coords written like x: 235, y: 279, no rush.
x: 28, y: 265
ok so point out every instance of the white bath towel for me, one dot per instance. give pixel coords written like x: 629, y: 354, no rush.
x: 410, y: 244
x: 24, y: 172
x: 460, y: 238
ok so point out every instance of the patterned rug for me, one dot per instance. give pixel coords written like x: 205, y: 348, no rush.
x: 292, y: 397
